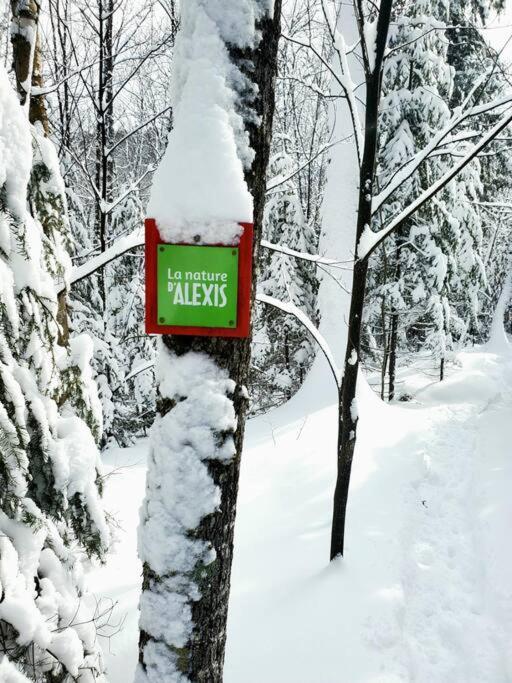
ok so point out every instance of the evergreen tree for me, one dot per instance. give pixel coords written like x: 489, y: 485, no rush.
x: 50, y: 476
x: 479, y: 70
x: 427, y: 282
x: 283, y: 352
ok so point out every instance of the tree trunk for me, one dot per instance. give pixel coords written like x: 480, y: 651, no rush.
x: 104, y: 129
x: 202, y: 657
x: 27, y: 65
x: 27, y: 58
x: 348, y: 416
x: 25, y: 19
x: 392, y: 355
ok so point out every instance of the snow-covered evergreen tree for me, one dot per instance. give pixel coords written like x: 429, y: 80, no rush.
x: 283, y: 349
x: 427, y: 282
x: 479, y: 70
x: 50, y: 477
x: 408, y: 285
x: 122, y: 351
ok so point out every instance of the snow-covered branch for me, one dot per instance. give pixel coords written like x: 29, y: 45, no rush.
x: 136, y: 239
x: 291, y: 309
x: 280, y: 180
x: 411, y: 167
x: 120, y: 247
x: 314, y: 258
x: 370, y: 240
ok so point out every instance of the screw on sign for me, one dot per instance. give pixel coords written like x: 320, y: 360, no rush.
x: 199, y: 290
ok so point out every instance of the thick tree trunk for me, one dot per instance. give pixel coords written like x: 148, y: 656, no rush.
x: 348, y: 417
x: 202, y: 658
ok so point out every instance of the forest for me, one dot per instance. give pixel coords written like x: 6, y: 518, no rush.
x: 255, y: 341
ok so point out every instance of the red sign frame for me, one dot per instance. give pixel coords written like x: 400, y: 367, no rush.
x: 242, y: 329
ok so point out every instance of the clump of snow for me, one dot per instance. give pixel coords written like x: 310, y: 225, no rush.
x: 367, y: 241
x: 10, y: 674
x: 370, y: 37
x: 82, y: 467
x: 498, y: 341
x: 15, y: 148
x: 81, y: 349
x: 200, y: 180
x: 208, y: 232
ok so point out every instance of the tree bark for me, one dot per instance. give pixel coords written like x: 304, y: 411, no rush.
x: 202, y: 659
x: 27, y: 64
x: 392, y: 355
x: 348, y: 417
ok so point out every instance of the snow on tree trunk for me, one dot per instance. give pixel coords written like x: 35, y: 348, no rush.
x: 223, y: 98
x: 498, y: 340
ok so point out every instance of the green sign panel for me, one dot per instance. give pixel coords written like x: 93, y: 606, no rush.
x: 197, y: 286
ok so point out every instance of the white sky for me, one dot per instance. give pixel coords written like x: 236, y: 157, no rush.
x: 499, y: 31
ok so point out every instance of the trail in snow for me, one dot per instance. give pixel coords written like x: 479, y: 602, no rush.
x: 425, y: 591
x: 448, y: 632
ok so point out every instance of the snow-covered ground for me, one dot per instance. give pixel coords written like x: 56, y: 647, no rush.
x: 424, y: 593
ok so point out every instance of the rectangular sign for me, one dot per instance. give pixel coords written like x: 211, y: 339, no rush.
x: 197, y: 286
x: 198, y: 290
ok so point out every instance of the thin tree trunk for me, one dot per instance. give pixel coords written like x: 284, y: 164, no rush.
x: 393, y: 342
x: 348, y: 417
x: 202, y: 658
x: 395, y: 319
x: 385, y: 352
x: 104, y: 129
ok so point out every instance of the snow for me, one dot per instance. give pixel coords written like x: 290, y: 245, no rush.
x: 370, y: 38
x: 180, y: 489
x: 409, y: 601
x: 82, y: 467
x: 15, y: 148
x: 9, y: 673
x: 424, y: 592
x: 119, y: 580
x: 201, y: 177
